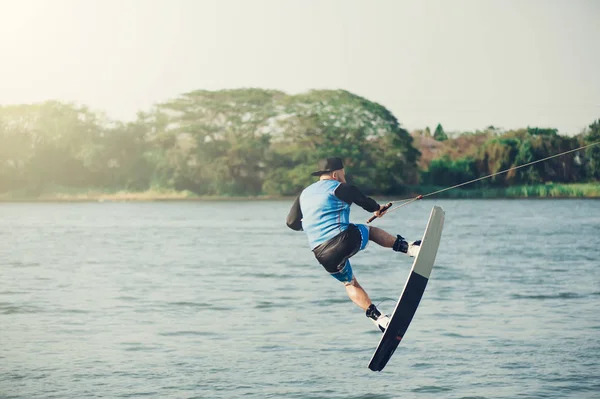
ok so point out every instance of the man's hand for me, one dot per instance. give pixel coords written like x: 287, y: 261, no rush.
x: 382, y: 210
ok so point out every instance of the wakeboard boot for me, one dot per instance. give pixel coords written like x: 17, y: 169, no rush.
x: 381, y: 321
x: 411, y: 249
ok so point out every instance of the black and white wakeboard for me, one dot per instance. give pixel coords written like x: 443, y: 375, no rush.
x: 413, y: 291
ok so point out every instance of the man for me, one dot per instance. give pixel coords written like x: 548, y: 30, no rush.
x: 322, y: 210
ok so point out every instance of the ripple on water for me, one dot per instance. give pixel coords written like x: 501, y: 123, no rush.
x: 9, y: 308
x: 560, y: 295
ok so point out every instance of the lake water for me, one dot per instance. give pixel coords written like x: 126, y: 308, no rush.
x: 222, y: 300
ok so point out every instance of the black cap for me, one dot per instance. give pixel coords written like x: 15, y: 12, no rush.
x: 328, y: 165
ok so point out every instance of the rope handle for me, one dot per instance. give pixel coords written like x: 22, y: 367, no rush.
x: 383, y: 209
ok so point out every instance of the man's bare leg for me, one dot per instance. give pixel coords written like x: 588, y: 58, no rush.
x: 381, y: 237
x: 361, y: 298
x: 357, y: 294
x: 387, y: 240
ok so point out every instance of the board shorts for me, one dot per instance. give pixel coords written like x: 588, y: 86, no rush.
x: 334, y: 254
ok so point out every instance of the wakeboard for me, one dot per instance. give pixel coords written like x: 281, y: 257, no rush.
x: 413, y: 291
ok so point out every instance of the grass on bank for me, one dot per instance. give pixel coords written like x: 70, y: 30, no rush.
x: 550, y: 190
x: 581, y: 190
x: 96, y: 194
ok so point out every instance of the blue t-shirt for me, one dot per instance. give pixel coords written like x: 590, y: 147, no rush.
x: 323, y: 214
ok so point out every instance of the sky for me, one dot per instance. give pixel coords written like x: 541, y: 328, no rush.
x: 464, y: 64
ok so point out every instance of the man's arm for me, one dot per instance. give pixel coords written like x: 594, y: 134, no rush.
x: 294, y: 218
x: 351, y: 194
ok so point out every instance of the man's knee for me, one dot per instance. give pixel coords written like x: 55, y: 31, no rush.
x: 352, y: 283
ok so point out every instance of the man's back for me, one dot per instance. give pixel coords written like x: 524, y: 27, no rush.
x: 323, y: 214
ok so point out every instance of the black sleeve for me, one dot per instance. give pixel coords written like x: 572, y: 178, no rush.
x: 294, y: 218
x: 351, y: 194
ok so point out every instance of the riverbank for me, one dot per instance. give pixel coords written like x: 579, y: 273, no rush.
x: 580, y: 190
x: 583, y: 190
x: 95, y: 195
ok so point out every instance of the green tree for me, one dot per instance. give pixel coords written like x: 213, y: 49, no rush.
x: 377, y: 152
x: 536, y: 131
x: 43, y: 145
x: 447, y: 172
x: 592, y: 154
x: 217, y: 140
x: 439, y: 133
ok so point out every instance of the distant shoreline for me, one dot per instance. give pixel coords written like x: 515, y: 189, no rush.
x: 545, y: 191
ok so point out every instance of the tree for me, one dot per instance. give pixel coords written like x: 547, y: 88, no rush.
x: 43, y: 145
x: 377, y: 152
x: 218, y: 140
x: 536, y: 131
x: 439, y: 133
x: 592, y: 154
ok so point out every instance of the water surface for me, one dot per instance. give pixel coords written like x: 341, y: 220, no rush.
x: 221, y: 300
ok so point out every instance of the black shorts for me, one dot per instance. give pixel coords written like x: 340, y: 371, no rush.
x: 333, y: 253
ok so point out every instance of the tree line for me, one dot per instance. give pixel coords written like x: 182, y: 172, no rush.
x: 254, y: 141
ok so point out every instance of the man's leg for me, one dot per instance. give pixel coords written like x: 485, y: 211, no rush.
x: 385, y: 239
x: 355, y: 291
x: 329, y: 256
x: 381, y: 237
x: 357, y: 294
x: 360, y: 297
